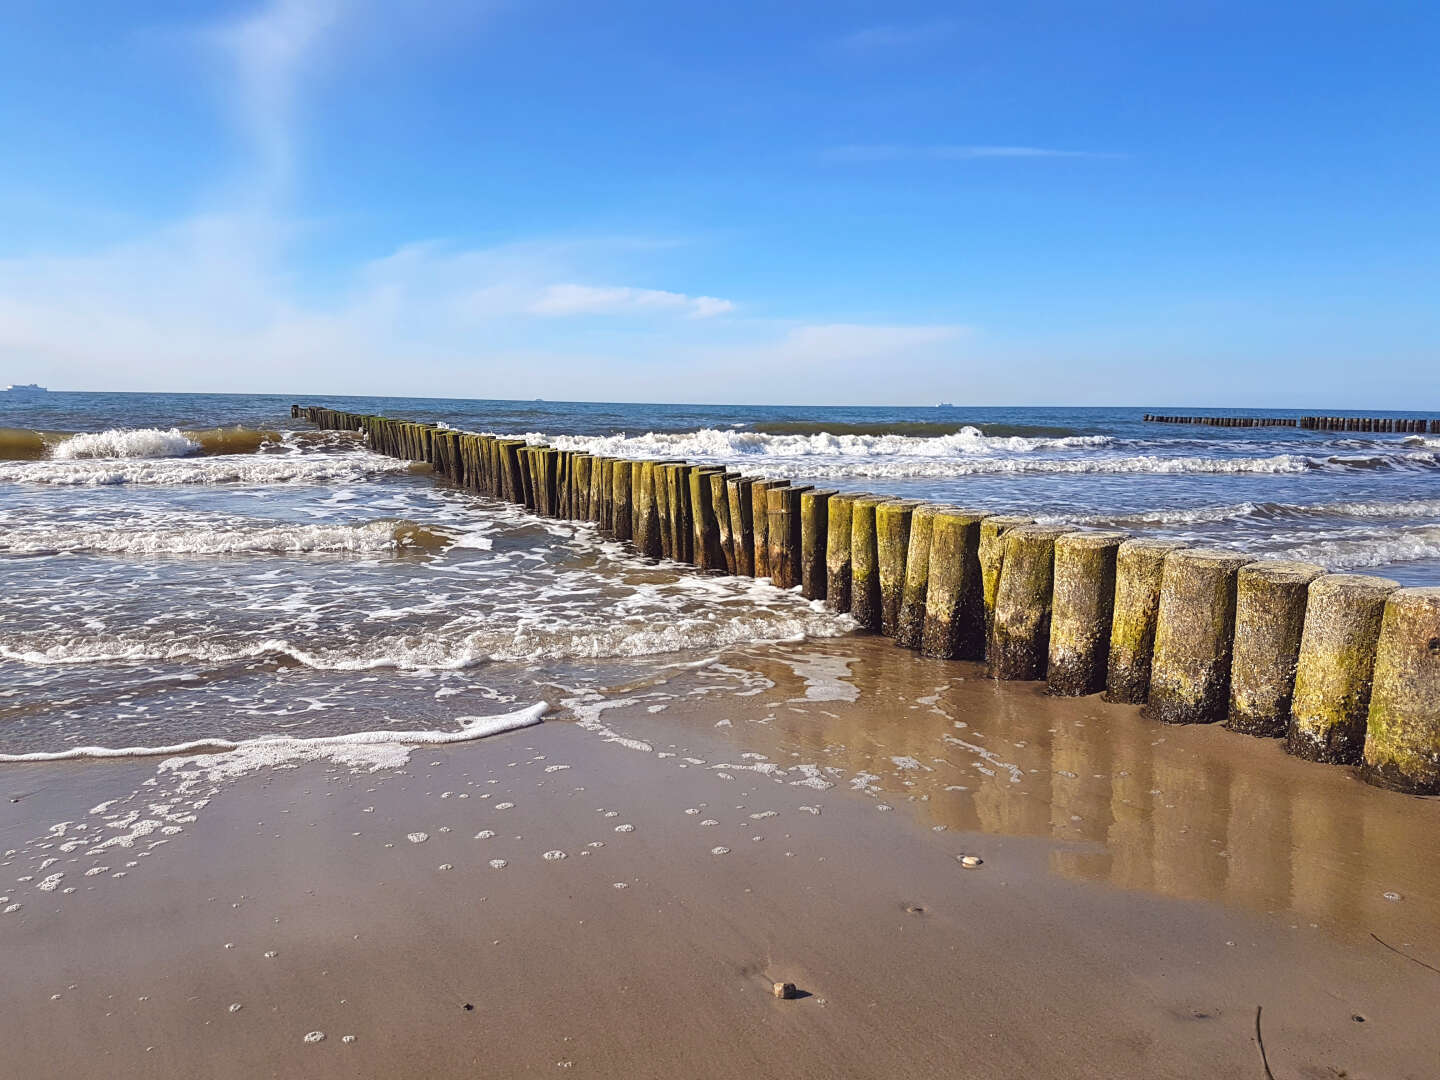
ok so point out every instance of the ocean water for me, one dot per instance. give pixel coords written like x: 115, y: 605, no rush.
x: 176, y: 568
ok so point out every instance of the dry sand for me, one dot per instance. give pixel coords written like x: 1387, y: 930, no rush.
x: 1143, y: 891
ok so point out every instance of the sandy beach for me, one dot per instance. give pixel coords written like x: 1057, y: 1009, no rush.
x: 614, y: 893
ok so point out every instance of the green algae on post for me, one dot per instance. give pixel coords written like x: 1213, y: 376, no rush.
x: 864, y: 563
x: 1336, y: 667
x: 1194, y: 631
x: 954, y: 625
x: 1270, y: 599
x: 1084, y: 603
x: 620, y: 522
x: 910, y: 624
x: 1139, y: 566
x: 892, y: 544
x: 1402, y: 738
x: 1020, y: 634
x: 837, y: 552
x: 992, y: 557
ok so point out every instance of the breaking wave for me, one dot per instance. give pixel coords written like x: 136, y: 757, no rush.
x: 1259, y: 511
x: 941, y: 468
x: 371, y: 537
x: 1366, y: 548
x: 340, y: 468
x: 717, y: 443
x: 440, y: 651
x: 23, y: 444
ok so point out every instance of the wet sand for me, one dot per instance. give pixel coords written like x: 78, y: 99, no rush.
x: 794, y: 813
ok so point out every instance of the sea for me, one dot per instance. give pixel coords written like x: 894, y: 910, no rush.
x: 195, y: 571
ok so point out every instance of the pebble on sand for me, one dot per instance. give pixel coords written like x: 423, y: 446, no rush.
x: 784, y: 990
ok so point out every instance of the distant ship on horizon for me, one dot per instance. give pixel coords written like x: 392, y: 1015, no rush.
x: 24, y: 389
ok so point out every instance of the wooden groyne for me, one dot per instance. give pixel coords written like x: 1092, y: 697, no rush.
x: 1344, y: 667
x: 1384, y: 424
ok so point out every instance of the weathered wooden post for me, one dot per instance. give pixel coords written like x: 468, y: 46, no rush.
x: 708, y: 553
x: 892, y: 544
x: 647, y: 517
x: 782, y: 529
x: 1194, y: 632
x: 1020, y: 636
x: 1333, y: 676
x: 760, y: 522
x: 1270, y: 599
x: 683, y: 540
x: 814, y: 536
x: 621, y: 523
x: 865, y: 604
x: 1402, y: 739
x: 954, y: 600
x: 1084, y: 605
x: 837, y: 551
x: 992, y: 558
x: 910, y: 625
x: 742, y: 523
x: 720, y: 505
x: 1139, y: 568
x: 583, y: 483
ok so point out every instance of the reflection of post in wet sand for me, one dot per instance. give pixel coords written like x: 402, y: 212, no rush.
x: 1080, y: 797
x: 1008, y: 726
x: 1328, y: 835
x: 1188, y: 813
x: 1131, y: 837
x: 1257, y: 843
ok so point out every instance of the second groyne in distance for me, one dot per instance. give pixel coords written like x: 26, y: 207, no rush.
x: 1403, y: 425
x: 1344, y: 667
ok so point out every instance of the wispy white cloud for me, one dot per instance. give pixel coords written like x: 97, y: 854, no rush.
x: 947, y: 152
x: 895, y: 37
x: 572, y: 299
x: 269, y: 51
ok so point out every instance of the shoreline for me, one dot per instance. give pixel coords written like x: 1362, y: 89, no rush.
x: 1095, y: 938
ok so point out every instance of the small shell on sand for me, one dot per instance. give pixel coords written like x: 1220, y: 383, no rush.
x: 970, y: 862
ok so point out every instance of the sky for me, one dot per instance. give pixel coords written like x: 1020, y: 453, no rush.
x: 1189, y: 202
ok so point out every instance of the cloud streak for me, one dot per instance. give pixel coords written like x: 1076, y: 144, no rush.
x: 269, y: 52
x: 572, y: 299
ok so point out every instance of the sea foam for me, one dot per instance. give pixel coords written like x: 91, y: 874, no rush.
x: 126, y: 443
x: 370, y: 749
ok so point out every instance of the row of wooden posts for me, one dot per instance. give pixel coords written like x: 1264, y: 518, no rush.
x: 1344, y: 667
x: 1392, y: 424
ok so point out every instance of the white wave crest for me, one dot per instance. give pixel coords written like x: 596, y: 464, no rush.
x: 1367, y: 548
x: 126, y: 443
x: 717, y: 443
x: 225, y: 469
x: 937, y: 469
x: 357, y: 748
x: 448, y: 652
x: 1200, y: 515
x: 375, y: 536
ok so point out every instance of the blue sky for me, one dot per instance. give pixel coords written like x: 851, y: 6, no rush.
x: 1205, y: 203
